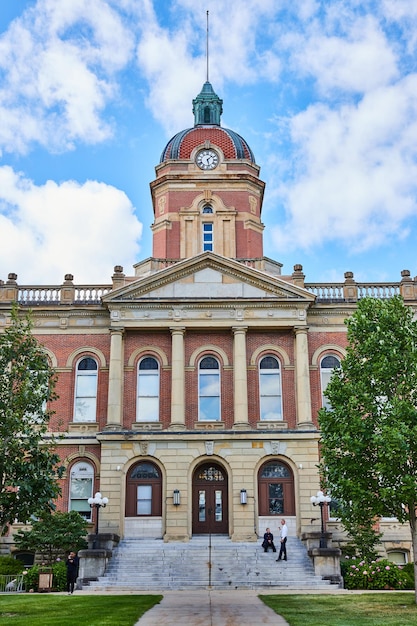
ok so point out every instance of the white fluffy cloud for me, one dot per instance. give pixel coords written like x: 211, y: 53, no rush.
x: 50, y: 230
x: 57, y: 63
x: 359, y: 61
x: 356, y: 178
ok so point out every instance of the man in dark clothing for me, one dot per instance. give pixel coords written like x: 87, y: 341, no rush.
x: 72, y: 564
x: 268, y: 541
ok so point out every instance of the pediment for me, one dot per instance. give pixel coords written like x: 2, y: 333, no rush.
x: 208, y: 277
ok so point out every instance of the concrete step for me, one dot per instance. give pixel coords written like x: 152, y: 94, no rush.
x: 214, y: 562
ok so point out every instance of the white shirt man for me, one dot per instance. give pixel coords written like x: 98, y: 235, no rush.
x: 283, y: 546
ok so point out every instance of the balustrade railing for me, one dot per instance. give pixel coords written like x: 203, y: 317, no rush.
x: 334, y: 292
x: 326, y: 291
x: 53, y: 294
x: 378, y: 290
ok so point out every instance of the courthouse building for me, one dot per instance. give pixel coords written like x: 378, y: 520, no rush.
x: 189, y: 387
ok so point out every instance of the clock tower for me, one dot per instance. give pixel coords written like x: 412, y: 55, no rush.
x: 207, y: 194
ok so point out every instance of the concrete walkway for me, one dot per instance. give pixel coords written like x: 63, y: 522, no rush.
x: 211, y: 608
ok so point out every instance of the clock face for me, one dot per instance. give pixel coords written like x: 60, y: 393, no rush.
x: 207, y: 159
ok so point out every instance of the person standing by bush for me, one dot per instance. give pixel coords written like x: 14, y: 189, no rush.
x: 72, y: 564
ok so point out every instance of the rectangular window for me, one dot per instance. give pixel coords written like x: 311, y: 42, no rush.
x: 80, y: 490
x: 276, y: 499
x: 270, y: 384
x: 202, y: 506
x: 208, y: 237
x: 144, y: 500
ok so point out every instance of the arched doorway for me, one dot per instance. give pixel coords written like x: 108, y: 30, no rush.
x: 276, y: 489
x: 210, y: 501
x: 144, y: 490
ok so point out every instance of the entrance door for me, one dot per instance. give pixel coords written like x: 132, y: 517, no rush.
x: 210, y: 503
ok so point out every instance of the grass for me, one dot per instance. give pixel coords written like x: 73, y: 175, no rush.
x: 369, y: 609
x: 63, y: 610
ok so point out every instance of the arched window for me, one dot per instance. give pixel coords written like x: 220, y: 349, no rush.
x: 327, y: 365
x: 208, y: 236
x: 147, y: 405
x: 81, y: 488
x: 399, y: 557
x: 207, y: 209
x: 276, y: 489
x: 208, y: 389
x: 144, y: 490
x: 85, y: 409
x: 270, y: 399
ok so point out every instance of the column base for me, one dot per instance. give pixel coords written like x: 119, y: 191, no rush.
x: 174, y: 426
x: 306, y: 426
x: 242, y: 426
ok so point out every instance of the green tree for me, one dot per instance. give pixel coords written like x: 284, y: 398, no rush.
x: 29, y: 466
x: 54, y: 535
x: 369, y: 435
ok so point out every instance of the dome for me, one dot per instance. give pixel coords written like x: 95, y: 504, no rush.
x: 207, y: 109
x: 183, y: 143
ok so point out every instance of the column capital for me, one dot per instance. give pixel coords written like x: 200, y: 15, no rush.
x: 240, y: 329
x: 117, y: 330
x: 299, y: 329
x: 179, y: 330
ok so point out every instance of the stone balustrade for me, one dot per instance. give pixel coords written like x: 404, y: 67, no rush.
x: 334, y: 292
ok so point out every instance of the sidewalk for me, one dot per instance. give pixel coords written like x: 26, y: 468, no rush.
x: 211, y: 608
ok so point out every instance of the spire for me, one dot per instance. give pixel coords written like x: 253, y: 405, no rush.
x: 207, y: 49
x: 207, y: 107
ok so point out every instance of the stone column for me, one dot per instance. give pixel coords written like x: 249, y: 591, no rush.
x: 114, y: 404
x: 302, y: 373
x: 240, y: 377
x: 178, y: 379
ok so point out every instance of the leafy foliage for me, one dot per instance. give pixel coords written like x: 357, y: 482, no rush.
x: 10, y: 566
x: 369, y: 436
x: 379, y: 574
x: 29, y: 467
x: 54, y: 535
x: 59, y: 576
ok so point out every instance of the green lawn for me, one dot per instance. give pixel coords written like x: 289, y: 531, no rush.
x: 370, y: 609
x: 63, y: 610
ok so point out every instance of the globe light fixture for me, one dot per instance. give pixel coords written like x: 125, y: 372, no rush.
x: 96, y: 503
x: 321, y: 500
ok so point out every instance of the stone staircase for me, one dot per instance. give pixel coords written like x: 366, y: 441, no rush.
x: 206, y: 562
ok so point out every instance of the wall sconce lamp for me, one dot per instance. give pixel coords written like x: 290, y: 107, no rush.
x: 176, y: 497
x: 243, y: 496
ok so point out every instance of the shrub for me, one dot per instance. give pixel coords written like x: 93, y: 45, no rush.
x: 10, y: 566
x: 59, y: 579
x: 379, y: 574
x: 408, y: 571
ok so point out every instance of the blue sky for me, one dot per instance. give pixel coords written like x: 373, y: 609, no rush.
x: 324, y: 92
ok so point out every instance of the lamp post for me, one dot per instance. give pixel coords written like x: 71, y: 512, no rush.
x: 321, y: 500
x: 96, y: 503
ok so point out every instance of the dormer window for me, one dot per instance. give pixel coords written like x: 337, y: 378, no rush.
x: 207, y: 209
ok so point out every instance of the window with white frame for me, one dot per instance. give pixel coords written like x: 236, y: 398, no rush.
x: 208, y: 236
x: 270, y: 395
x: 147, y: 405
x: 81, y: 488
x: 327, y: 365
x: 208, y: 389
x: 85, y: 409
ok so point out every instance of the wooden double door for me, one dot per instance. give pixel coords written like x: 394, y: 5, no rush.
x: 210, y: 500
